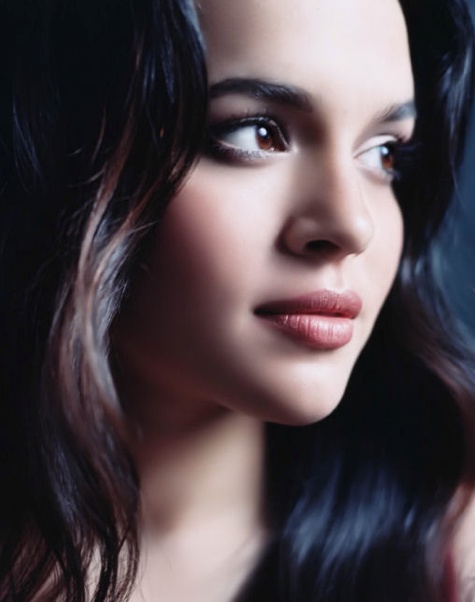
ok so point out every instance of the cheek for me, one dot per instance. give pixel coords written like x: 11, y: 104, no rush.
x: 387, y: 247
x: 396, y: 228
x: 191, y: 251
x: 212, y: 236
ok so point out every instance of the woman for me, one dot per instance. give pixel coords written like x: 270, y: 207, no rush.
x: 149, y: 342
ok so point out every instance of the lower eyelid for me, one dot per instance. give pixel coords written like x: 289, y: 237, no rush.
x: 229, y: 154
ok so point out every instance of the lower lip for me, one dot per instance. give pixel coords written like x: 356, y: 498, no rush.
x: 313, y: 330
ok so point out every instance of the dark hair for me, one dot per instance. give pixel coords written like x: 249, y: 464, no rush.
x: 102, y: 110
x: 103, y: 105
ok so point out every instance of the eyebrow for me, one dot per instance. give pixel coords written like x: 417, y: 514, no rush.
x: 295, y: 97
x: 398, y: 112
x: 257, y: 88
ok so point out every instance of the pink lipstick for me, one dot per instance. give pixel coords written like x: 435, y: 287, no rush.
x: 320, y: 320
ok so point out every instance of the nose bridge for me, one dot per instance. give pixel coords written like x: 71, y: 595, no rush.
x: 342, y: 205
x: 332, y: 207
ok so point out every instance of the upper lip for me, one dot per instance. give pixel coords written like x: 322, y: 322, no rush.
x: 345, y: 304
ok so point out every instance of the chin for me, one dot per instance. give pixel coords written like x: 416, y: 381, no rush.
x: 303, y: 416
x: 302, y: 406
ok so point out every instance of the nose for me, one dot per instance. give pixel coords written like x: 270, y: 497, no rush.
x: 330, y: 213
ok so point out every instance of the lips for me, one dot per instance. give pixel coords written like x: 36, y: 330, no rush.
x: 320, y: 320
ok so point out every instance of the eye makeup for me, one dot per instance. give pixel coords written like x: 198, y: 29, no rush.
x: 247, y: 138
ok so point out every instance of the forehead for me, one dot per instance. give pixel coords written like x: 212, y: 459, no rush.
x: 315, y: 44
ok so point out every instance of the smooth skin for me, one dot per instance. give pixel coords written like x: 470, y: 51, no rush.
x: 310, y: 100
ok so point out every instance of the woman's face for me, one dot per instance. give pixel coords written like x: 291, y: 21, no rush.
x: 273, y: 261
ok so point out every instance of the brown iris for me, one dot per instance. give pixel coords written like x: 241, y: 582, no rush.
x: 388, y: 158
x: 268, y: 140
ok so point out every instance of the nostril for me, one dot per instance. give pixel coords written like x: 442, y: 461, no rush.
x: 319, y: 246
x: 339, y: 232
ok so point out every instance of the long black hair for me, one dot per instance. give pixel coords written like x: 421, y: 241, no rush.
x: 102, y: 112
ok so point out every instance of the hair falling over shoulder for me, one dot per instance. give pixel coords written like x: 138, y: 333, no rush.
x: 102, y: 114
x: 103, y: 106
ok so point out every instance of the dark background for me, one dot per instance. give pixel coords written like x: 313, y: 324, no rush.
x: 457, y: 247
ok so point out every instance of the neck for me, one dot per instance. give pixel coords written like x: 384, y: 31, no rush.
x: 203, y: 526
x: 205, y: 478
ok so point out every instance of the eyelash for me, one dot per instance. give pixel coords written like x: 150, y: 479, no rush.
x: 402, y: 151
x: 218, y: 149
x: 407, y: 153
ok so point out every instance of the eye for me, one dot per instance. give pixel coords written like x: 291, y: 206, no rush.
x: 247, y: 139
x: 256, y: 137
x: 381, y: 159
